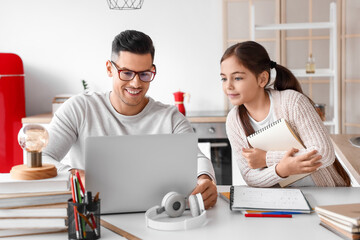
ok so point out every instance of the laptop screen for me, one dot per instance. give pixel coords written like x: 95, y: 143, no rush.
x: 134, y: 172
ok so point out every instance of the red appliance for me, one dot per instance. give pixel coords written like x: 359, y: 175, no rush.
x: 12, y: 110
x: 179, y: 101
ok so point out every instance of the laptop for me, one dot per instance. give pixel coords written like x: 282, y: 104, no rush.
x: 134, y: 172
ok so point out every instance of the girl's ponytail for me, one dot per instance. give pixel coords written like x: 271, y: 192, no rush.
x: 285, y: 79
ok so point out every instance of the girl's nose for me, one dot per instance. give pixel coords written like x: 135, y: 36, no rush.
x: 228, y: 84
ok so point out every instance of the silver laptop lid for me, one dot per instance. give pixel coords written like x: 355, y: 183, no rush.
x: 134, y: 172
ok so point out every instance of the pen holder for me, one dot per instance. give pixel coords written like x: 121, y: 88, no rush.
x: 83, y: 220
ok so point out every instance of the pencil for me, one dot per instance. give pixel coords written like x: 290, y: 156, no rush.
x: 80, y: 182
x: 94, y: 222
x: 268, y: 215
x: 77, y: 186
x: 75, y: 212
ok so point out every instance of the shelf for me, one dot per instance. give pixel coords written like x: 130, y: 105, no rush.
x: 322, y: 72
x: 295, y: 26
x: 330, y: 73
x: 329, y: 123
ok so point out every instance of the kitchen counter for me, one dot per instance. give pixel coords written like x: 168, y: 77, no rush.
x: 44, y: 118
x: 348, y: 154
x: 193, y: 117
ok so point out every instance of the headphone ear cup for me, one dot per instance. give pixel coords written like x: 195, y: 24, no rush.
x: 174, y: 204
x: 195, y: 205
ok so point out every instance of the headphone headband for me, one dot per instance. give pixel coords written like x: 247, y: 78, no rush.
x: 196, y: 207
x: 188, y: 223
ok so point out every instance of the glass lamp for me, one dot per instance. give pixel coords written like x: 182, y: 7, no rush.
x: 33, y: 139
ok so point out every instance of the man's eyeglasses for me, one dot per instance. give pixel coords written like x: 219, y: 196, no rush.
x: 128, y: 75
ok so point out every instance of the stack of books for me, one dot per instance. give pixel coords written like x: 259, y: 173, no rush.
x: 343, y: 219
x: 29, y: 207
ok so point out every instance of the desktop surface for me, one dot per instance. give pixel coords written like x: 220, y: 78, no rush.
x: 225, y: 224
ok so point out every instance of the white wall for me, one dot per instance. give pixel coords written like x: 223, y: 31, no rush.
x: 62, y: 42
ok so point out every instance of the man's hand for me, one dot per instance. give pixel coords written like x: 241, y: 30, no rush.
x: 255, y: 157
x: 82, y: 174
x: 208, y: 190
x: 305, y: 163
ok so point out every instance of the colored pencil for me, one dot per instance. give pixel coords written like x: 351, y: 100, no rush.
x: 268, y: 215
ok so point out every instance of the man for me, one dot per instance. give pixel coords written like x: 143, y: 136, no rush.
x: 124, y: 110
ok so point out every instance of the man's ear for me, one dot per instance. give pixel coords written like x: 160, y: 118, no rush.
x: 108, y: 68
x: 263, y: 79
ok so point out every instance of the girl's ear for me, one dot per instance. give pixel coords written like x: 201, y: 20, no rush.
x: 108, y: 69
x: 263, y: 79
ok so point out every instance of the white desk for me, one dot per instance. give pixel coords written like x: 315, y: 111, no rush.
x: 225, y: 224
x: 348, y: 155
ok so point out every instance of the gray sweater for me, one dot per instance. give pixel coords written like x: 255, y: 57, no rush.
x: 92, y: 114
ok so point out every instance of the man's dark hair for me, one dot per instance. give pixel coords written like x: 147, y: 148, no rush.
x: 134, y: 42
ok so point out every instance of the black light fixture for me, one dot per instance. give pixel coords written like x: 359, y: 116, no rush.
x: 125, y: 4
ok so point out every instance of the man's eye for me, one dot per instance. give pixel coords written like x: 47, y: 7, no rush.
x: 145, y: 74
x: 127, y: 73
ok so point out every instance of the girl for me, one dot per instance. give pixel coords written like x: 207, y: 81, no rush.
x: 245, y: 73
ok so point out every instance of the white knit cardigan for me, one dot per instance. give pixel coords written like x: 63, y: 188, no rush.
x: 301, y: 115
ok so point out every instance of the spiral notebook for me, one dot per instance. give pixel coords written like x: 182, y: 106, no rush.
x: 278, y: 136
x: 245, y: 198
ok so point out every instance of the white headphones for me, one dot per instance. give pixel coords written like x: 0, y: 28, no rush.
x: 173, y: 204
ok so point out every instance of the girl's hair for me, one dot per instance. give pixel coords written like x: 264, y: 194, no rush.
x: 254, y: 57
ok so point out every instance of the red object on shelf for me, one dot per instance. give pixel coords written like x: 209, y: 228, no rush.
x: 179, y: 101
x: 12, y: 110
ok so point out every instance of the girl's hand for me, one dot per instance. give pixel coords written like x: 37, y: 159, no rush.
x: 255, y: 157
x: 305, y: 163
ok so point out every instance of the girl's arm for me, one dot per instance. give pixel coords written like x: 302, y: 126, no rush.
x: 264, y: 177
x: 307, y: 123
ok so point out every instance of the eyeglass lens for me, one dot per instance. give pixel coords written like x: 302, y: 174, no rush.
x: 129, y: 75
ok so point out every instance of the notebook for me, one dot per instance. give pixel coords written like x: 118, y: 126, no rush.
x: 278, y: 136
x: 14, y: 200
x: 134, y: 172
x: 349, y: 213
x: 268, y: 199
x: 339, y: 231
x: 339, y: 225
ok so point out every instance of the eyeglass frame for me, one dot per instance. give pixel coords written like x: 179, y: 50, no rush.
x: 136, y: 73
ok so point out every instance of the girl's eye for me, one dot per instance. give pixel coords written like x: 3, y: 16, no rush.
x: 223, y: 79
x: 237, y: 78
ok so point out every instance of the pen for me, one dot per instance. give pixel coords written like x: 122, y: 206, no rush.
x: 268, y: 215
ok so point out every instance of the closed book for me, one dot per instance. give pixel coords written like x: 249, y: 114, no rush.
x: 14, y: 200
x: 58, y: 183
x: 33, y: 213
x: 32, y: 223
x: 346, y: 212
x: 278, y: 136
x: 268, y: 199
x: 347, y: 227
x: 338, y: 231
